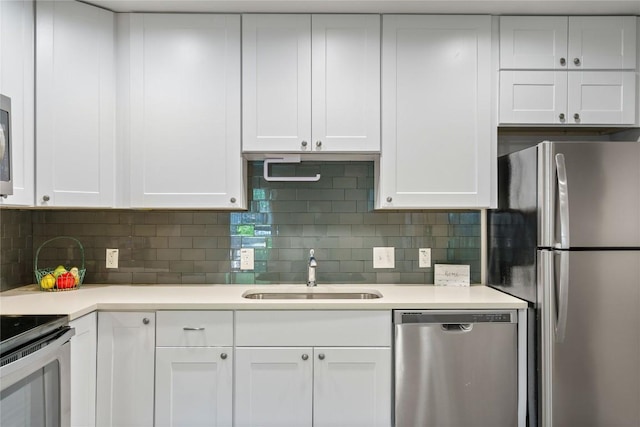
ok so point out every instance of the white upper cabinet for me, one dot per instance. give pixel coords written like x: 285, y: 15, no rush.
x: 17, y: 82
x: 75, y: 105
x: 311, y: 83
x: 568, y: 71
x: 573, y: 43
x: 438, y: 145
x: 184, y: 118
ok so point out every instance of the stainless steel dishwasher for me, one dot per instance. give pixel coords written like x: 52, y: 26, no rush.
x: 456, y: 368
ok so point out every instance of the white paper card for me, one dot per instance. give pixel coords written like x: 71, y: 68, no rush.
x: 451, y: 275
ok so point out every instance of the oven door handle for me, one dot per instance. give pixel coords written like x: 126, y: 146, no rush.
x: 36, y: 360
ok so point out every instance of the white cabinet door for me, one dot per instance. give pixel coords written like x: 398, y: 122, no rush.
x: 352, y: 387
x: 75, y: 108
x: 533, y: 42
x: 273, y: 387
x: 276, y: 83
x: 346, y: 83
x: 438, y: 149
x: 574, y: 43
x: 602, y: 42
x: 17, y: 82
x: 126, y: 348
x: 533, y: 97
x: 185, y: 111
x: 194, y: 386
x: 83, y: 371
x: 602, y: 97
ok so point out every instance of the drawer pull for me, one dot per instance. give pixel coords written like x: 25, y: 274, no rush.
x: 187, y: 328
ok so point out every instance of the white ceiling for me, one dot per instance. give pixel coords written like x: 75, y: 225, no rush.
x: 495, y: 7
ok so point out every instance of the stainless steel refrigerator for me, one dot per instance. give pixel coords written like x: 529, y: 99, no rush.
x: 566, y: 238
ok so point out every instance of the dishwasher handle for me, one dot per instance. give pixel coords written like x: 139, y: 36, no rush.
x: 456, y: 328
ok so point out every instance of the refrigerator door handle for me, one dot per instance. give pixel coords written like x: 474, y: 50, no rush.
x: 563, y: 297
x: 563, y: 198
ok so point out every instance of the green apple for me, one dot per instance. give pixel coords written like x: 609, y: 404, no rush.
x: 59, y: 270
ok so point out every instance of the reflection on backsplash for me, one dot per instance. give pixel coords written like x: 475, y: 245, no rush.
x: 285, y: 219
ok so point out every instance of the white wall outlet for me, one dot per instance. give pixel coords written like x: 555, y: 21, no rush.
x: 246, y: 259
x: 424, y: 257
x: 112, y: 258
x: 384, y: 257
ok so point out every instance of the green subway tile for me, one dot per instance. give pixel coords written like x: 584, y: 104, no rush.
x: 194, y: 279
x: 352, y: 266
x: 376, y: 218
x: 327, y: 194
x: 345, y: 206
x: 338, y: 230
x: 326, y: 218
x: 206, y: 218
x: 192, y: 230
x: 319, y: 206
x: 387, y: 230
x: 345, y: 182
x: 351, y: 218
x: 354, y: 194
x: 192, y: 254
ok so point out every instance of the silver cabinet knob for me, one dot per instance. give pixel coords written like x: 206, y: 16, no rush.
x: 46, y: 198
x: 304, y: 144
x: 561, y: 116
x: 576, y: 61
x: 576, y: 116
x: 223, y: 356
x: 563, y: 61
x: 305, y: 357
x: 318, y: 144
x: 189, y: 328
x: 232, y: 200
x: 389, y: 199
x: 321, y: 356
x: 146, y: 320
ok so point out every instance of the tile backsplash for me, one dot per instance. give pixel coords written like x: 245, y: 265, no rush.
x: 285, y: 219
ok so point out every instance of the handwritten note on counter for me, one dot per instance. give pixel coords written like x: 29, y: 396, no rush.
x: 451, y: 275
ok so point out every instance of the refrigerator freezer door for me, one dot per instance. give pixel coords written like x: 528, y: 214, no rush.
x: 603, y: 180
x: 596, y: 365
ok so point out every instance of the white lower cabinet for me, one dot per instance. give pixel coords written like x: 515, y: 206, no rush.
x: 83, y: 371
x: 125, y: 378
x: 194, y: 369
x: 194, y: 386
x: 301, y: 384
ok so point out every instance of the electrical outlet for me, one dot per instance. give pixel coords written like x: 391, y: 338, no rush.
x: 246, y: 259
x: 384, y: 257
x: 112, y: 258
x: 424, y: 257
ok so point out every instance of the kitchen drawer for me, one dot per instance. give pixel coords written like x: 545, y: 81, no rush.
x: 194, y: 328
x: 313, y: 328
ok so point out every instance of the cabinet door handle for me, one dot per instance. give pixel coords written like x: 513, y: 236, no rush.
x: 188, y: 328
x: 305, y: 357
x: 576, y: 61
x: 304, y: 144
x: 561, y: 117
x: 232, y: 200
x: 576, y: 116
x: 46, y: 198
x: 146, y: 320
x: 318, y: 143
x: 321, y: 356
x: 563, y: 61
x: 223, y: 356
x: 389, y: 199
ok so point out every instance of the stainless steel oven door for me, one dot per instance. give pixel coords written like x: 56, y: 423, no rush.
x: 35, y: 389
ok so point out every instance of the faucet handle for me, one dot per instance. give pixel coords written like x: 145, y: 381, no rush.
x: 311, y: 253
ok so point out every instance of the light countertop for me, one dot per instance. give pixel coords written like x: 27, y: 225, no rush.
x: 76, y: 303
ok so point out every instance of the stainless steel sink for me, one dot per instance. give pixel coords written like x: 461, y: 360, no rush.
x: 310, y: 295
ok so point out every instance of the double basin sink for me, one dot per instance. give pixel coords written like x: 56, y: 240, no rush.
x: 314, y: 293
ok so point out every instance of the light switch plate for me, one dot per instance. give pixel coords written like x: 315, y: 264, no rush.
x: 112, y: 258
x: 384, y: 257
x: 424, y: 257
x: 246, y: 259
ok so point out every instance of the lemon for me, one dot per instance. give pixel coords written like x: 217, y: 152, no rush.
x: 76, y: 274
x: 48, y: 281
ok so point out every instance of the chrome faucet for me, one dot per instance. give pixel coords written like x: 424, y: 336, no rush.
x: 311, y: 280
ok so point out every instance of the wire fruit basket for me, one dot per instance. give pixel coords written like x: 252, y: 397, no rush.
x: 60, y: 278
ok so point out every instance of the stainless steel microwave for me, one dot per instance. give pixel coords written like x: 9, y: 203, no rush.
x: 6, y: 173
